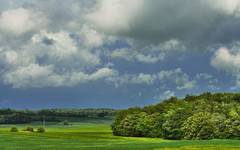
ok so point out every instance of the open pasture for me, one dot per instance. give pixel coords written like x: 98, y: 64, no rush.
x: 97, y: 134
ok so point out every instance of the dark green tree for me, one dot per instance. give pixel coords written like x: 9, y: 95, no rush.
x: 142, y: 125
x: 155, y: 123
x: 174, y: 120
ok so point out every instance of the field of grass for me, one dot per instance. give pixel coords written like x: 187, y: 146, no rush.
x: 91, y: 134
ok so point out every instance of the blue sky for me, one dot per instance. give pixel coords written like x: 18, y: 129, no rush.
x: 116, y: 53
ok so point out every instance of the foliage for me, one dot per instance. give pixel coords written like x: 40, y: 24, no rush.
x: 12, y: 116
x: 65, y: 122
x: 41, y: 129
x: 155, y: 124
x: 29, y: 128
x: 232, y: 126
x: 90, y: 112
x: 102, y: 114
x: 218, y: 120
x: 198, y: 127
x: 202, y: 117
x: 142, y: 128
x: 14, y: 129
x: 173, y: 123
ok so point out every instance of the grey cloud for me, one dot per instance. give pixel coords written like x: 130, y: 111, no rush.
x: 151, y: 53
x: 193, y: 23
x: 228, y: 31
x: 48, y: 41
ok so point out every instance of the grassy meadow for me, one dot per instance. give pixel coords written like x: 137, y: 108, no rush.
x: 95, y: 133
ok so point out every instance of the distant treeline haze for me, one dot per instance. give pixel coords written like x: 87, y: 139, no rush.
x: 207, y: 116
x: 12, y: 116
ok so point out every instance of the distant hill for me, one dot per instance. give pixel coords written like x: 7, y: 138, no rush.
x: 207, y: 116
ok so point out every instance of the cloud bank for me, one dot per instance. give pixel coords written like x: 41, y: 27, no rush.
x: 195, y: 24
x: 66, y: 43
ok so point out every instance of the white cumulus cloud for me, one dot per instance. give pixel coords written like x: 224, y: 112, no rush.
x: 21, y: 21
x: 53, y: 60
x: 228, y: 59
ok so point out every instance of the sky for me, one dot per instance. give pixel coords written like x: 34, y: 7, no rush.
x: 116, y: 53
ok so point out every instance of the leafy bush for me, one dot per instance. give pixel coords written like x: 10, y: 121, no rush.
x: 66, y: 123
x: 41, y: 129
x: 14, y: 129
x: 29, y: 128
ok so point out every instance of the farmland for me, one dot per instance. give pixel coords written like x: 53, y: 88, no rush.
x: 95, y: 133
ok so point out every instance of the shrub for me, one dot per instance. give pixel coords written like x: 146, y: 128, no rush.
x: 66, y: 123
x: 14, y: 129
x: 41, y: 129
x: 29, y: 128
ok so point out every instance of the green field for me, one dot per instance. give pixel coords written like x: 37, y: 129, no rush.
x: 95, y: 133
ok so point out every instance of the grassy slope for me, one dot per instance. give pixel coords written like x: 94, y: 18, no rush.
x: 96, y: 135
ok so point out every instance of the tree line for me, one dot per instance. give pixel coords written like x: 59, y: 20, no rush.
x: 206, y: 116
x: 13, y: 116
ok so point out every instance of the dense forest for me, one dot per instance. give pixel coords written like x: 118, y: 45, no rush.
x: 12, y: 116
x: 207, y: 116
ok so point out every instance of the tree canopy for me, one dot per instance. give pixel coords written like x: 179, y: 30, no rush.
x: 202, y: 117
x: 13, y: 116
